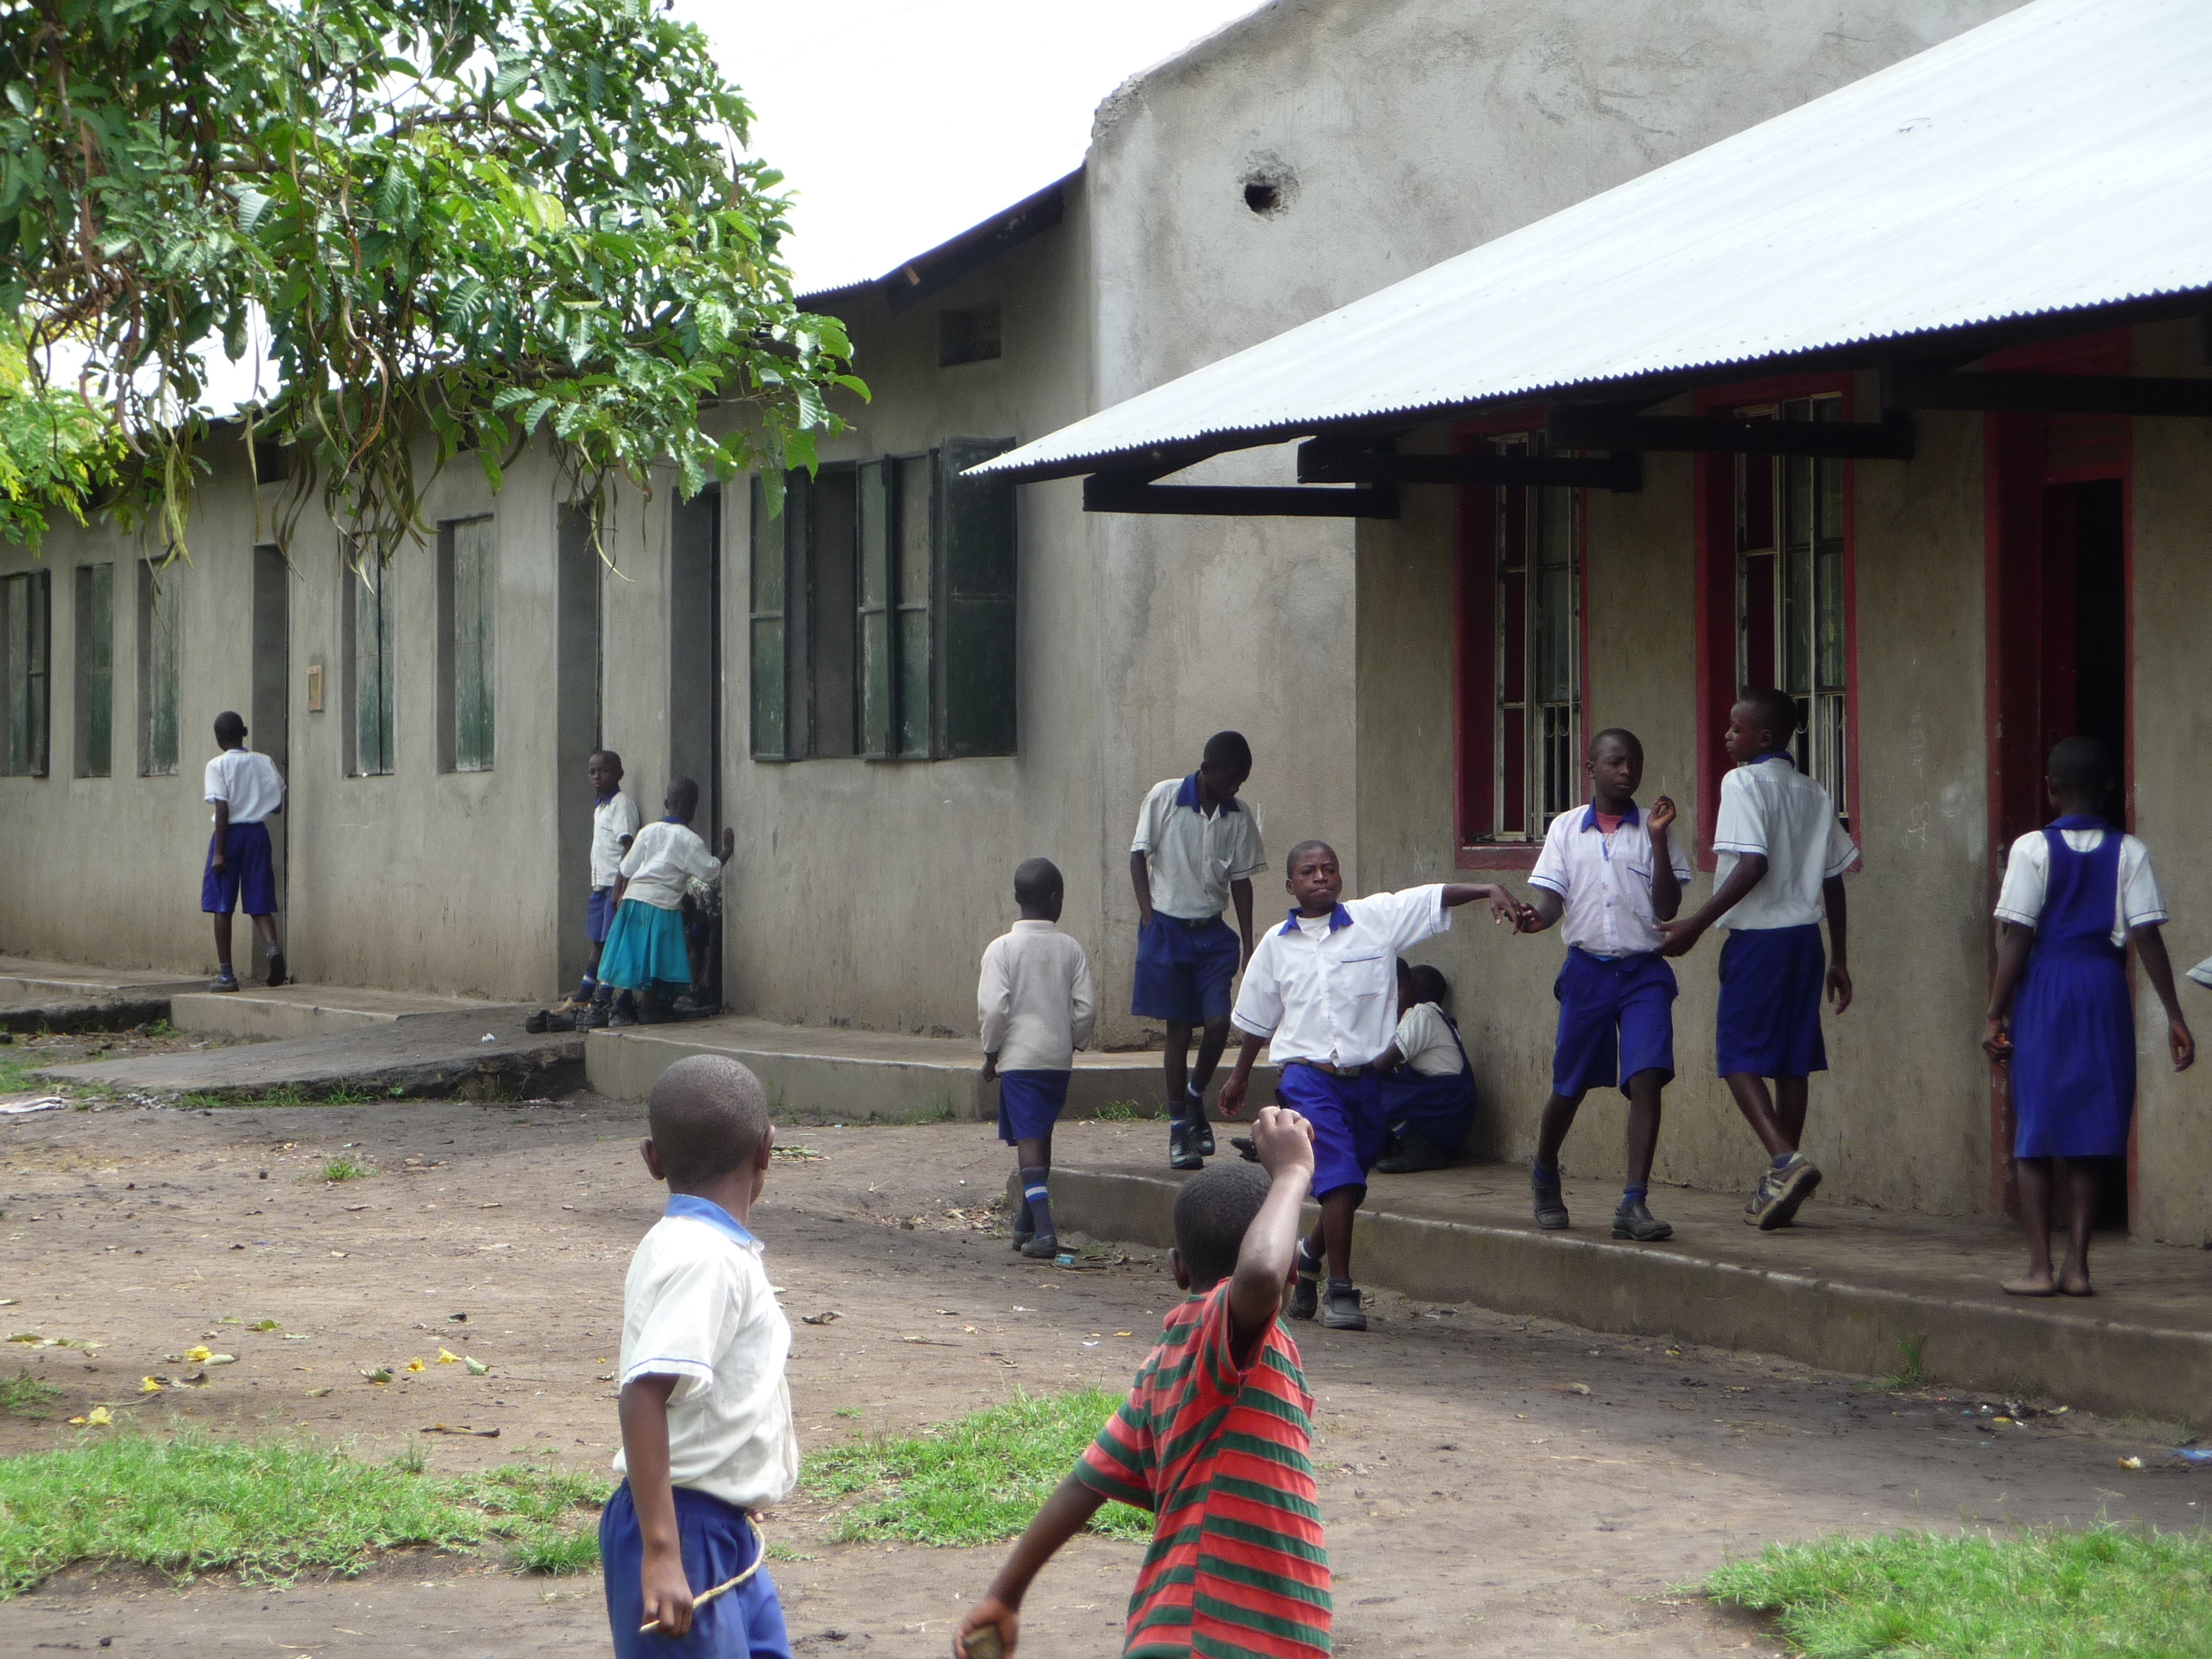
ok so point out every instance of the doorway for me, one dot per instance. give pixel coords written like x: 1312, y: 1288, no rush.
x: 695, y: 700
x: 576, y: 719
x: 268, y: 714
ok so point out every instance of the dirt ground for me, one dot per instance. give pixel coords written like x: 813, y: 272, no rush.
x: 1491, y: 1485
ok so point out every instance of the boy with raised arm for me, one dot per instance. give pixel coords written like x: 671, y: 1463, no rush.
x: 1611, y: 877
x: 1322, y: 989
x: 1214, y: 1439
x: 1196, y: 849
x: 1780, y: 854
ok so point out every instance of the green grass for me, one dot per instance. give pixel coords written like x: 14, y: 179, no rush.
x: 272, y: 1510
x: 1910, y: 1374
x: 344, y: 1170
x: 15, y: 1072
x: 24, y: 1395
x: 1118, y: 1112
x: 2049, y: 1594
x: 975, y: 1481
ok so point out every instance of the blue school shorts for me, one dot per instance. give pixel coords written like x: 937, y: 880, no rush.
x: 1615, y: 1018
x: 718, y: 1545
x: 1184, y: 967
x: 249, y: 872
x: 1771, y: 982
x: 1029, y: 1103
x: 1348, y: 1115
x: 598, y: 914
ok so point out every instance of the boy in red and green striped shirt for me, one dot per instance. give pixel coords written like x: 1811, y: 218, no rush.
x: 1213, y: 1440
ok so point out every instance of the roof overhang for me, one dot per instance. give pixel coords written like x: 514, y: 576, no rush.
x: 928, y: 273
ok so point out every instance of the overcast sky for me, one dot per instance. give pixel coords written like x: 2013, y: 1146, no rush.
x: 901, y: 122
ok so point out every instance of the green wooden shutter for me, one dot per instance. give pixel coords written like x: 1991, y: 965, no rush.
x: 877, y: 683
x: 975, y: 636
x: 769, y: 721
x: 914, y: 581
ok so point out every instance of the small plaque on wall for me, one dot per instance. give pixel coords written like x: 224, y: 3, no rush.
x: 314, y: 687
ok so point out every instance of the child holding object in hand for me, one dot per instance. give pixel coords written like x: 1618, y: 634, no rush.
x: 1214, y: 1439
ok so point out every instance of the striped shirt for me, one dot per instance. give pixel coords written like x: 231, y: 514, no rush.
x: 1237, y: 1567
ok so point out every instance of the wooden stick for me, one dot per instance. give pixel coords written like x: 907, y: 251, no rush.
x: 760, y: 1555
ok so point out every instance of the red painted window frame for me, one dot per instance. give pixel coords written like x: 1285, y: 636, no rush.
x: 1474, y: 652
x: 1714, y: 506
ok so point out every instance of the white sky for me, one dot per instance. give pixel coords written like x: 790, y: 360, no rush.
x: 899, y: 123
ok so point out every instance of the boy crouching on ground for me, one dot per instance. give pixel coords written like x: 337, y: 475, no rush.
x: 1214, y: 1439
x: 707, y: 1436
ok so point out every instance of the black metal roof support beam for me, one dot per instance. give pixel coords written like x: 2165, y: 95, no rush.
x: 1134, y: 492
x: 1346, y: 461
x: 1600, y: 426
x: 2001, y: 391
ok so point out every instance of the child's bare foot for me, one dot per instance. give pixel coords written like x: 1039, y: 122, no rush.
x: 2071, y: 1283
x: 2030, y: 1285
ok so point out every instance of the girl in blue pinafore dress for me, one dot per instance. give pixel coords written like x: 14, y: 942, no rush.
x: 1429, y: 1114
x: 2062, y: 978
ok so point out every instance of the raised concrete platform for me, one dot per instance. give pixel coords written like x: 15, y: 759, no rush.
x: 65, y: 996
x: 1846, y: 1288
x: 307, y: 1010
x: 858, y: 1075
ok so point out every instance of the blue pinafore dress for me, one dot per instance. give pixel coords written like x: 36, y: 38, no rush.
x: 1441, y: 1108
x: 2073, y: 1025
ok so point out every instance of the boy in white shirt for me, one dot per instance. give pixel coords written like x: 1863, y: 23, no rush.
x: 245, y: 790
x: 1321, y: 992
x: 707, y: 1437
x: 614, y: 824
x: 1037, y: 1006
x: 1614, y: 877
x: 1781, y: 852
x: 645, y: 947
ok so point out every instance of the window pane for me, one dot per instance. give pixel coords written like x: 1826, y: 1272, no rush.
x: 96, y: 669
x: 1512, y: 772
x: 914, y: 486
x: 472, y: 571
x: 833, y: 553
x: 767, y: 579
x: 1829, y: 614
x: 1557, y: 761
x: 1797, y: 621
x: 1827, y: 724
x: 913, y: 723
x: 1754, y: 511
x: 1831, y: 487
x: 768, y: 688
x: 1755, y: 664
x: 16, y: 593
x: 157, y: 600
x: 372, y: 635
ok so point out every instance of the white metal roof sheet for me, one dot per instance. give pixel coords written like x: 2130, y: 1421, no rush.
x: 2060, y: 157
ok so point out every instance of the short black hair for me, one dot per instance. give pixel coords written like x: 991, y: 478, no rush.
x: 1213, y: 1212
x: 1430, y: 985
x: 604, y: 754
x: 1776, y: 710
x: 1290, y: 859
x: 1037, y: 881
x: 1227, y: 751
x: 230, y: 727
x: 2081, y: 765
x: 683, y: 793
x: 1614, y: 733
x: 708, y: 1115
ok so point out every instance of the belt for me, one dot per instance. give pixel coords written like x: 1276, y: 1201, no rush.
x: 1187, y: 921
x: 1333, y: 1071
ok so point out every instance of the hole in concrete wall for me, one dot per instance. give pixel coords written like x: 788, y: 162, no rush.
x: 1263, y: 197
x: 1269, y: 182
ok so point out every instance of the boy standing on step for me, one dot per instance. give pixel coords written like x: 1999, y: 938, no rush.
x: 1196, y: 850
x: 1037, y: 1006
x: 614, y: 826
x: 246, y: 791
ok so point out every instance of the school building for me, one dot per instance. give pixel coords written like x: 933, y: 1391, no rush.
x: 920, y: 674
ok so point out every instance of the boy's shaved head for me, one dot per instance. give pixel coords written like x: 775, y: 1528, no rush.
x: 1776, y: 710
x: 607, y: 754
x: 1430, y: 985
x: 1619, y: 734
x: 229, y: 728
x: 1212, y: 1214
x: 683, y: 796
x: 2081, y: 765
x: 1036, y: 882
x: 1290, y: 863
x: 1227, y: 751
x: 708, y: 1115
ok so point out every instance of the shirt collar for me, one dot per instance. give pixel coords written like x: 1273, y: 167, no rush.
x: 1187, y: 795
x: 706, y: 1209
x: 1036, y: 925
x: 1590, y: 817
x: 1338, y: 917
x: 1773, y: 753
x: 670, y: 818
x: 2080, y: 821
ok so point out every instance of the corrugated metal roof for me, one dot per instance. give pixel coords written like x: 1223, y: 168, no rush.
x: 2058, y: 158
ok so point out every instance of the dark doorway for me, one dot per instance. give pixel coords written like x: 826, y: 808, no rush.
x: 269, y: 716
x: 576, y: 671
x: 834, y: 579
x: 695, y: 697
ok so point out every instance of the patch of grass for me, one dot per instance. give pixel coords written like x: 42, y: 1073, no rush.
x: 161, y: 1028
x: 845, y: 1411
x: 975, y: 1481
x: 15, y: 1072
x: 272, y: 1510
x: 24, y: 1395
x: 937, y: 1109
x: 201, y: 1100
x: 344, y: 1170
x: 341, y: 1094
x: 1910, y: 1374
x: 2104, y: 1592
x: 1118, y: 1112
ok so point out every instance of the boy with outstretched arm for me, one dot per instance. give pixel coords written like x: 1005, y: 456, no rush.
x: 1321, y: 990
x: 1037, y: 1006
x: 2074, y: 894
x: 1214, y: 1439
x: 1196, y: 850
x: 707, y: 1437
x: 1780, y: 855
x: 1610, y: 877
x: 245, y: 790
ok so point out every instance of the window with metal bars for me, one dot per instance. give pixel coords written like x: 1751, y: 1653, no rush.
x: 1535, y: 536
x: 1790, y: 621
x: 25, y: 631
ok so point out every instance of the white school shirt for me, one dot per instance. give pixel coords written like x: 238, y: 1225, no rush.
x: 247, y: 782
x: 1424, y: 1041
x: 612, y: 819
x: 697, y: 1307
x: 1192, y: 857
x: 2136, y: 900
x: 1768, y: 806
x: 1035, y: 999
x: 1325, y: 988
x: 1605, y: 881
x: 664, y: 856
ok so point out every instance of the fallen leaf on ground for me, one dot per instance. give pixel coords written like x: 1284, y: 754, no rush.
x: 2130, y: 1463
x: 445, y: 1357
x: 207, y: 1358
x: 440, y: 1428
x: 381, y: 1374
x: 148, y: 1385
x: 415, y: 1363
x: 1571, y: 1388
x: 1125, y: 1333
x: 317, y: 1394
x: 196, y: 1354
x: 828, y: 1316
x: 264, y: 1324
x: 476, y: 1368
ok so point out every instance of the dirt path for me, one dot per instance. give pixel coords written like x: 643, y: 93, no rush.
x: 1479, y: 1500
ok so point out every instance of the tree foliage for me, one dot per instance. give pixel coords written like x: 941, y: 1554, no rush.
x: 457, y: 224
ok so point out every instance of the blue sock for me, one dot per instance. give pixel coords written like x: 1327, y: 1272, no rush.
x: 1538, y: 1172
x: 1308, y: 1264
x: 586, y: 989
x: 1193, y: 1103
x: 1037, y: 1200
x: 1634, y: 1195
x: 1781, y: 1158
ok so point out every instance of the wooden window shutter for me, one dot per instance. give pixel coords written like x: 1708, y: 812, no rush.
x: 974, y: 678
x: 876, y: 676
x: 770, y: 629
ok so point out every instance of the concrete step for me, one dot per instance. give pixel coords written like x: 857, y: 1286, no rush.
x: 1846, y: 1288
x: 37, y: 995
x: 305, y: 1011
x: 852, y: 1076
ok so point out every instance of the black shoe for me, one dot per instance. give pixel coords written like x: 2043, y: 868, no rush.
x: 594, y: 1017
x: 1022, y: 1235
x: 1246, y: 1150
x: 619, y: 1018
x: 1043, y: 1247
x: 1202, y: 1130
x: 1342, y: 1312
x: 1774, y: 1204
x: 1635, y: 1221
x: 1551, y: 1208
x: 1414, y: 1153
x: 224, y: 981
x: 535, y: 1023
x: 276, y: 968
x: 1305, y: 1297
x: 1182, y: 1153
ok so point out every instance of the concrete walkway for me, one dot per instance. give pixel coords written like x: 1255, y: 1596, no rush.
x: 853, y: 1076
x: 1847, y: 1288
x: 68, y: 996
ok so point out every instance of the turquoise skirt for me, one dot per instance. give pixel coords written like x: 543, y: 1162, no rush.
x: 646, y: 943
